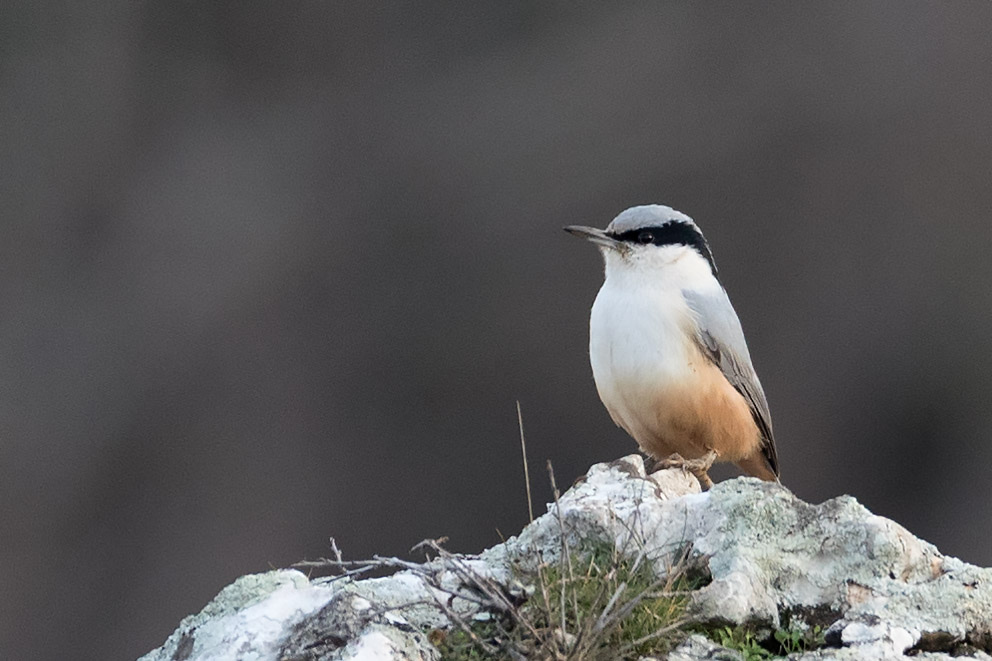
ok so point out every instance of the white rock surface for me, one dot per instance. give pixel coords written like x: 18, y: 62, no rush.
x: 878, y: 591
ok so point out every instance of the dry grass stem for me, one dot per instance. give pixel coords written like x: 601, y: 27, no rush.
x: 523, y: 451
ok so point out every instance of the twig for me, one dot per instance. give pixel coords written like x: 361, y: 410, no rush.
x: 457, y: 619
x: 492, y: 591
x: 678, y: 624
x: 523, y: 451
x: 567, y: 558
x: 336, y: 550
x: 601, y: 620
x: 314, y: 564
x: 433, y: 544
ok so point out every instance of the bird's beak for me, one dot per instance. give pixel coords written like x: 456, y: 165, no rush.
x: 597, y: 236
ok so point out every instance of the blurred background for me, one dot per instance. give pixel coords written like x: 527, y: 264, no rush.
x: 273, y: 272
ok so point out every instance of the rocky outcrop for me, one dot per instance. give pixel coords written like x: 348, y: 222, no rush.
x: 765, y: 561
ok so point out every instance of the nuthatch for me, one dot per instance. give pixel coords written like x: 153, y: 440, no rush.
x: 667, y: 350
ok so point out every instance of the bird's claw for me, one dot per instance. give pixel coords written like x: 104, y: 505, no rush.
x: 698, y: 467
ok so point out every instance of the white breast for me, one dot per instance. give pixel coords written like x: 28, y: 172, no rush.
x: 639, y: 345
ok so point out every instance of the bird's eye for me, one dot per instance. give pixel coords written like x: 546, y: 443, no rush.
x: 645, y: 237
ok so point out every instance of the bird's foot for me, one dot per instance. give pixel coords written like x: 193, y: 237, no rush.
x: 698, y: 467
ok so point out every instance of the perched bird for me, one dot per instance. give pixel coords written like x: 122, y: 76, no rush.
x: 667, y: 350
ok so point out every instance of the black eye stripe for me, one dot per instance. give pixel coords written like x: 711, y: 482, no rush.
x: 673, y: 233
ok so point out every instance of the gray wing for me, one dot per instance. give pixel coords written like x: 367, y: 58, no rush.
x: 719, y: 335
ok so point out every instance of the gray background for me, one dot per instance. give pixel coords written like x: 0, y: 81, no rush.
x: 272, y: 272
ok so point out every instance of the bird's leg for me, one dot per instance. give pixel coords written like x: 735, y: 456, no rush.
x: 698, y: 467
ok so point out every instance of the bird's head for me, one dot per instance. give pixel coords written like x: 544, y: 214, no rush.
x: 649, y: 239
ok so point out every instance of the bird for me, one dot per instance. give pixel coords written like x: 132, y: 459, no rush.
x: 667, y: 350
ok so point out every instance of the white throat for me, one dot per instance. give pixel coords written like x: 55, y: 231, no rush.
x: 675, y: 266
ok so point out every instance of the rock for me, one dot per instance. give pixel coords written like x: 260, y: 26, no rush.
x: 700, y: 647
x: 774, y: 563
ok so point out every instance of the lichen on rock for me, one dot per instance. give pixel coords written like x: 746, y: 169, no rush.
x: 772, y: 563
